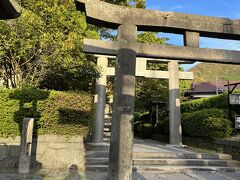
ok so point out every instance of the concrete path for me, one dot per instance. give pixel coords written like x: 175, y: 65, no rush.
x: 147, y: 145
x: 174, y: 176
x: 136, y: 176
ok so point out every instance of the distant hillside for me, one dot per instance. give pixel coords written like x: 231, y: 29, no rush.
x: 211, y: 71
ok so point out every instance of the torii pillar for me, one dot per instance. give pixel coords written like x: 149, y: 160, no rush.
x: 175, y: 128
x: 121, y: 146
x: 191, y: 39
x: 99, y: 101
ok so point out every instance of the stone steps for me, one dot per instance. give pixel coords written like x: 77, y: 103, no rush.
x: 168, y: 162
x: 105, y: 154
x: 165, y: 169
x: 160, y: 159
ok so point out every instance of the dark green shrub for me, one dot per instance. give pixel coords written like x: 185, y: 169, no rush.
x: 137, y: 116
x: 147, y: 125
x: 207, y: 123
x: 217, y: 102
x: 65, y: 113
x: 163, y: 127
x: 147, y: 130
x: 145, y: 117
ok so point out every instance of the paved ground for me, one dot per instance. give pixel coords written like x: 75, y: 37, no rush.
x: 136, y: 176
x: 175, y: 176
x: 146, y: 145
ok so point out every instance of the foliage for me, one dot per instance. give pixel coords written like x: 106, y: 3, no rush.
x: 137, y: 116
x: 148, y: 90
x: 219, y: 102
x: 147, y: 125
x: 212, y: 71
x: 45, y: 45
x: 207, y: 123
x: 183, y: 86
x: 64, y: 113
x: 150, y: 38
x: 163, y: 126
x: 130, y: 3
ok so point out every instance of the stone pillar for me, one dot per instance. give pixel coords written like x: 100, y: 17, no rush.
x: 175, y: 128
x: 26, y: 146
x: 121, y: 144
x: 99, y: 101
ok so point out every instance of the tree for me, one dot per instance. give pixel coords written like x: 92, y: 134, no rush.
x: 130, y: 3
x: 44, y: 47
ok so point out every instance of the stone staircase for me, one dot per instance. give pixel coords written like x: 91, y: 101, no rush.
x: 152, y: 156
x: 97, y: 161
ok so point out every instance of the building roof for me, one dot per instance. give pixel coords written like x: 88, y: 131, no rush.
x: 210, y: 87
x: 9, y: 9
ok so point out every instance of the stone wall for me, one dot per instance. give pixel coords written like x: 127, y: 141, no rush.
x: 48, y: 152
x: 227, y: 146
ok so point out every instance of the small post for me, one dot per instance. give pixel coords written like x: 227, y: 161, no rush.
x: 26, y: 146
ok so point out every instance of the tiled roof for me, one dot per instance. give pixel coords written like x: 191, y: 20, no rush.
x: 210, y: 87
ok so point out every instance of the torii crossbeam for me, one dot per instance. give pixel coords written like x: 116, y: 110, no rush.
x: 128, y: 21
x: 108, y: 15
x: 164, y: 51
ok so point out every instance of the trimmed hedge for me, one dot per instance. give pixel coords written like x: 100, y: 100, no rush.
x: 218, y: 102
x: 55, y: 112
x: 207, y: 123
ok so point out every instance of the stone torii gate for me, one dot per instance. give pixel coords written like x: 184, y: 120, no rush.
x: 141, y: 70
x: 128, y: 21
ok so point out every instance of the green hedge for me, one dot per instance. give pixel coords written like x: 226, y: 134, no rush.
x: 55, y: 112
x: 207, y: 123
x: 163, y: 126
x: 218, y: 102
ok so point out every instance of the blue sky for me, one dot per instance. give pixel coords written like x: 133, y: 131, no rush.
x: 218, y: 8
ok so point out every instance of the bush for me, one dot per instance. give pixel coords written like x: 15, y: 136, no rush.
x: 147, y: 125
x: 64, y: 113
x: 145, y: 117
x: 218, y: 102
x: 207, y: 123
x: 137, y: 116
x: 163, y: 126
x: 147, y: 130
